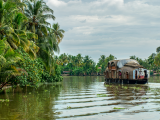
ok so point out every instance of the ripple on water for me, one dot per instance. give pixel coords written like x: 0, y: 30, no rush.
x: 79, y: 98
x: 117, y: 99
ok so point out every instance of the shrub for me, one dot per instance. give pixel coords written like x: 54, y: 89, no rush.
x: 32, y: 70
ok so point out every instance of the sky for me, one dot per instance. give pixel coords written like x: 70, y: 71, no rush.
x: 102, y: 27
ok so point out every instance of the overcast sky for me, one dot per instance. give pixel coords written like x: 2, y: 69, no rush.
x: 102, y: 27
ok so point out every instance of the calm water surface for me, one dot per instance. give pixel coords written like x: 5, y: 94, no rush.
x: 80, y: 98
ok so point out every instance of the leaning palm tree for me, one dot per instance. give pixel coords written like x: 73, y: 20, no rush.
x: 8, y: 58
x: 25, y: 36
x: 7, y: 9
x: 58, y: 32
x: 10, y: 28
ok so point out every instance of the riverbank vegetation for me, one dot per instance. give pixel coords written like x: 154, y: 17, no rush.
x: 28, y: 43
x: 78, y: 65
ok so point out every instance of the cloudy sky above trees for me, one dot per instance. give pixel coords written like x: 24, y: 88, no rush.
x: 102, y: 27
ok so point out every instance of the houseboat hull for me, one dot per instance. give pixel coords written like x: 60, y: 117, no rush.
x: 126, y: 81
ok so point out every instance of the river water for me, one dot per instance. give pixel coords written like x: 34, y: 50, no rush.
x: 83, y: 98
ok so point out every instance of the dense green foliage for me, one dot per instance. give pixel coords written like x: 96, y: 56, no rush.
x: 32, y: 69
x: 152, y: 63
x: 28, y: 43
x: 78, y: 65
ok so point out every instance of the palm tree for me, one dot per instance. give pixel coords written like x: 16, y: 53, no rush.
x: 157, y: 59
x: 11, y: 30
x: 102, y: 63
x: 87, y: 63
x: 158, y: 49
x: 64, y: 58
x: 151, y: 58
x: 36, y: 12
x: 69, y: 58
x: 7, y: 9
x: 102, y: 59
x: 8, y: 58
x: 79, y: 60
x: 58, y: 32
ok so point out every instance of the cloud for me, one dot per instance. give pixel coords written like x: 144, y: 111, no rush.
x: 56, y: 3
x: 119, y: 27
x: 83, y: 21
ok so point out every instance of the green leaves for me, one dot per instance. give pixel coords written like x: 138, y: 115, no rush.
x: 58, y: 32
x: 2, y: 46
x: 34, y: 69
x: 27, y: 44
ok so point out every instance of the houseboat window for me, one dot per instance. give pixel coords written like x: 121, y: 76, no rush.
x: 136, y: 75
x: 109, y: 66
x: 120, y: 75
x: 112, y: 64
x: 145, y: 74
x: 127, y: 75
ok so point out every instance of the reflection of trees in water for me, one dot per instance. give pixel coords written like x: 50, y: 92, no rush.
x: 154, y: 79
x: 126, y: 92
x: 31, y: 103
x: 74, y: 84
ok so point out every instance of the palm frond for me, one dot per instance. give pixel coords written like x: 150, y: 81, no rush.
x: 2, y: 46
x: 49, y: 16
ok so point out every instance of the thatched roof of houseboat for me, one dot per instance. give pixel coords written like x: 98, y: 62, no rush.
x: 133, y: 64
x: 123, y: 62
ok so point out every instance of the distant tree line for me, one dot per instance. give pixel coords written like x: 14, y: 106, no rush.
x: 78, y: 65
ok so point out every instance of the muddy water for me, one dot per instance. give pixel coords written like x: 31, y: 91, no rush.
x: 78, y: 98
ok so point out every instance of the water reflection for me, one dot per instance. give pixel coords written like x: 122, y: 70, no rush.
x: 82, y: 98
x: 30, y: 103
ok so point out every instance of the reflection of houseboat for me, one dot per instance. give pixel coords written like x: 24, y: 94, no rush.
x: 126, y: 71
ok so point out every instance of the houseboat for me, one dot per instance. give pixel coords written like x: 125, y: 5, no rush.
x: 126, y: 71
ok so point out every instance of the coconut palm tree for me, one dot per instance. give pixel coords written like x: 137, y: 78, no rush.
x: 157, y: 59
x: 158, y: 49
x: 79, y: 60
x: 87, y: 63
x: 8, y: 58
x: 58, y: 32
x: 7, y: 9
x: 64, y: 58
x: 10, y: 28
x: 24, y: 35
x: 36, y: 12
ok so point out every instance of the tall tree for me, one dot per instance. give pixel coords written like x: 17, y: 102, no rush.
x: 157, y: 59
x: 158, y: 49
x: 37, y: 14
x: 79, y: 59
x: 58, y: 32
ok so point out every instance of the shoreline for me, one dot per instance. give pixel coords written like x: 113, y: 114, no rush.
x: 79, y: 75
